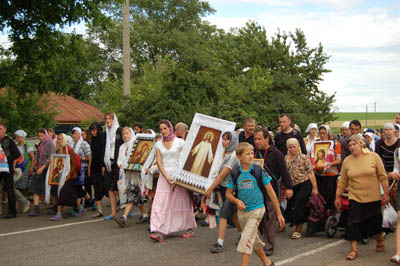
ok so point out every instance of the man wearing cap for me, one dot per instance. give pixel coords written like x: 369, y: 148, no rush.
x: 12, y: 153
x: 385, y: 148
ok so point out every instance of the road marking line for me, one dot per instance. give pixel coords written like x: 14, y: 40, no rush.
x: 54, y: 227
x: 311, y: 252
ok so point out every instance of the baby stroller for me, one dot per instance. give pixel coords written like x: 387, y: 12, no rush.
x: 339, y: 221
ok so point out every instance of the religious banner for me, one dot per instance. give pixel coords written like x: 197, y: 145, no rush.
x: 202, y: 154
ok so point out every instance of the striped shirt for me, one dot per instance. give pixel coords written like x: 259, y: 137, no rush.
x: 248, y: 190
x: 387, y: 154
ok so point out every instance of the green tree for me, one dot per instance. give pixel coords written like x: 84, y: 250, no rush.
x: 38, y: 51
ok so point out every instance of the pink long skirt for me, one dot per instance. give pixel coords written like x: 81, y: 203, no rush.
x: 172, y: 209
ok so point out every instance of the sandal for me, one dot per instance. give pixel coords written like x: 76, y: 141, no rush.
x: 395, y: 259
x: 189, y: 234
x: 97, y: 215
x: 352, y: 255
x: 380, y: 246
x: 157, y: 237
x: 296, y: 235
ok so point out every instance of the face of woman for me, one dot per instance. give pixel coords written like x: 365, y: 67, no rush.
x: 76, y: 136
x: 354, y: 147
x: 41, y: 136
x: 84, y: 136
x: 19, y: 139
x: 59, y: 140
x: 323, y: 135
x: 164, y: 130
x: 109, y: 120
x: 225, y: 142
x: 312, y: 132
x: 93, y: 132
x: 293, y: 149
x: 126, y: 135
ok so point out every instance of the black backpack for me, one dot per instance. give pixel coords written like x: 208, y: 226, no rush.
x: 256, y: 172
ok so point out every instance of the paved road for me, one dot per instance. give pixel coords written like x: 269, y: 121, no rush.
x: 84, y: 241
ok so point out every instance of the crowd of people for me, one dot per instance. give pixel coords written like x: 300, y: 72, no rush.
x: 266, y: 180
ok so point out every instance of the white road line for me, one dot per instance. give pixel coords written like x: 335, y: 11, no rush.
x: 311, y: 252
x: 53, y: 227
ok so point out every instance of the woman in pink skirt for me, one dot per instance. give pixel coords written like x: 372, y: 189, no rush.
x: 172, y: 209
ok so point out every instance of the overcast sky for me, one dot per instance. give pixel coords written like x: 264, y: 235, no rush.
x: 361, y: 36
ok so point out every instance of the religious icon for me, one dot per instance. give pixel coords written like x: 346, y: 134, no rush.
x: 56, y: 170
x: 201, y: 156
x: 319, y: 154
x: 140, y: 152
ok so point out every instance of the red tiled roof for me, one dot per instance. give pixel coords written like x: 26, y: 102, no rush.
x: 72, y: 111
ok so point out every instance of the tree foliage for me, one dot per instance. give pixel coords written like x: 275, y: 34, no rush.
x: 180, y: 64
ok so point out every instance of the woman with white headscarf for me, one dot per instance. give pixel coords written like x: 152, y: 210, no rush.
x: 113, y: 141
x: 133, y: 179
x: 69, y: 192
x: 312, y: 131
x: 82, y: 148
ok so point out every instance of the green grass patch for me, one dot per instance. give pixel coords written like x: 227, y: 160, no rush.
x: 362, y: 116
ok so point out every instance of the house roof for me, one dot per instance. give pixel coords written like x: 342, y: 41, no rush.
x: 72, y: 111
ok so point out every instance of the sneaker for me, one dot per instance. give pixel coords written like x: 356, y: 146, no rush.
x: 142, y: 220
x: 56, y: 218
x: 35, y: 211
x: 97, y: 215
x: 217, y: 248
x: 26, y: 207
x: 121, y: 221
x: 82, y: 212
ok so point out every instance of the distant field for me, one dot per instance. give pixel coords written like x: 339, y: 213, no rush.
x: 375, y: 120
x: 361, y: 116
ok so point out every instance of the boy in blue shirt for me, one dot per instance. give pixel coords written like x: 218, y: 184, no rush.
x: 250, y: 204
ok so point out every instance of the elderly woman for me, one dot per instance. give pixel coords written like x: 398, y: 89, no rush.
x: 363, y: 173
x: 312, y: 131
x: 327, y: 174
x: 69, y: 192
x: 303, y: 181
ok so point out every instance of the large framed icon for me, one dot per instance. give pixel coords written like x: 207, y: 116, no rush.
x: 202, y: 154
x: 142, y: 148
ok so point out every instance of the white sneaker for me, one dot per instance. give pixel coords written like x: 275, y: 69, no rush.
x: 26, y: 207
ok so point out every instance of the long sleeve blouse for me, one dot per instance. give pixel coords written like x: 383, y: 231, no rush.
x: 362, y: 175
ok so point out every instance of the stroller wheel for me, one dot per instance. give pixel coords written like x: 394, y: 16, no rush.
x: 331, y: 226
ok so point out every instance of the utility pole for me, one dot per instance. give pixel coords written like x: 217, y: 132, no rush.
x: 126, y: 49
x: 374, y: 114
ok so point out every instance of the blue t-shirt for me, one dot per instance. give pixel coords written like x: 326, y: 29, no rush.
x: 248, y: 190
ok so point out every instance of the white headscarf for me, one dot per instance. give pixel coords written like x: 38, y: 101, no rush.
x: 76, y: 145
x: 110, y: 143
x: 21, y: 133
x: 372, y: 143
x: 125, y: 150
x: 311, y: 126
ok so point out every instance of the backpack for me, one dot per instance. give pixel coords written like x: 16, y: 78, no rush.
x: 256, y: 172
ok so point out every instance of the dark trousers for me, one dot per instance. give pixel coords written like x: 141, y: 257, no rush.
x: 9, y: 185
x: 269, y: 227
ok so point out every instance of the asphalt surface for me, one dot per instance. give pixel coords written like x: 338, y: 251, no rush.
x: 85, y: 241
